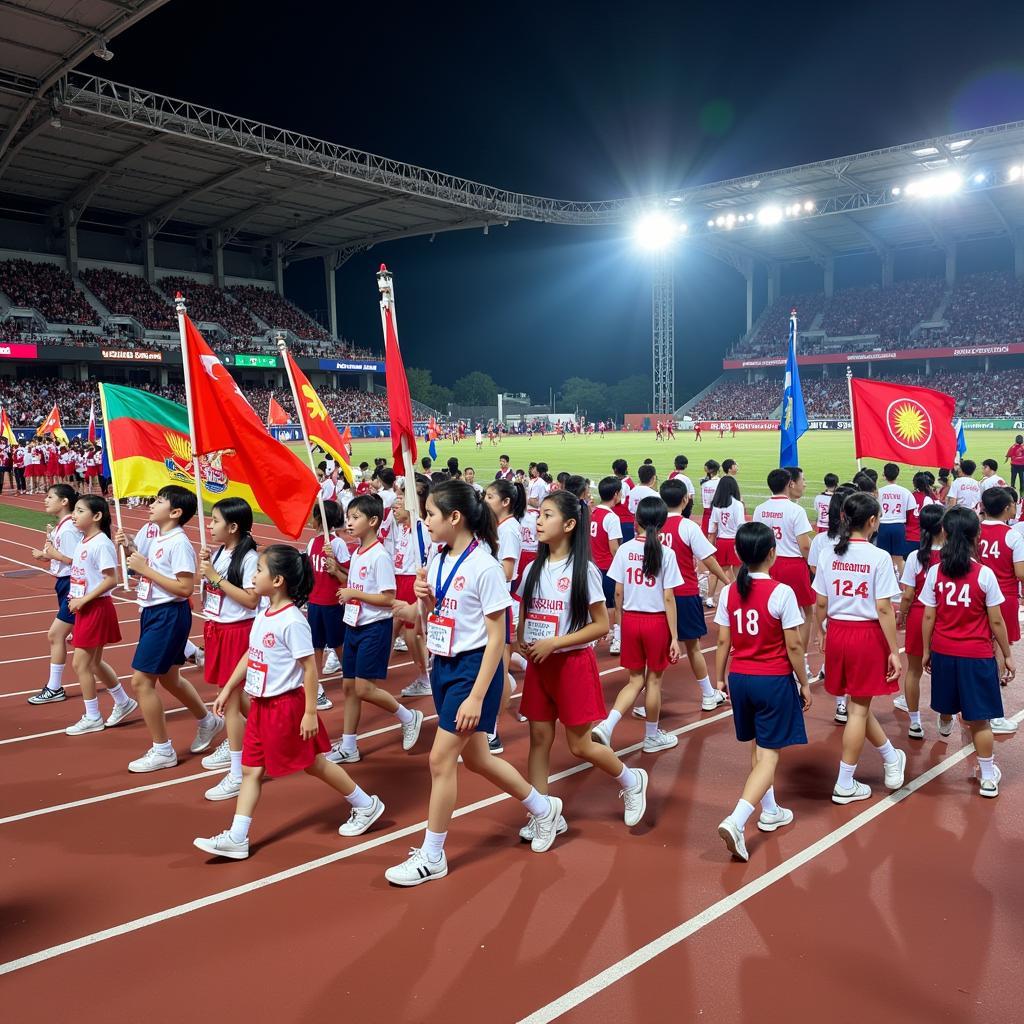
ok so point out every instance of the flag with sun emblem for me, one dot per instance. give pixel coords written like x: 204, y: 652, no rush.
x: 902, y: 423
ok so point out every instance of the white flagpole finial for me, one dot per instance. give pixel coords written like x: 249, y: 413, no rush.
x: 179, y: 304
x: 282, y: 346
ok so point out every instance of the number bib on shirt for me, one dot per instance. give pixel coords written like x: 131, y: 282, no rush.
x: 144, y: 589
x: 352, y: 609
x: 440, y: 635
x: 213, y: 599
x: 77, y: 587
x: 539, y: 627
x: 255, y: 678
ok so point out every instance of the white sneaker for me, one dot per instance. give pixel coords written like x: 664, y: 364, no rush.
x: 895, y: 771
x: 1002, y: 726
x: 417, y: 869
x: 777, y: 819
x: 339, y: 756
x: 418, y: 688
x: 661, y: 740
x: 205, y: 733
x: 858, y: 791
x: 223, y: 846
x: 546, y: 826
x: 615, y: 647
x: 121, y: 712
x: 601, y: 734
x: 635, y: 799
x: 226, y: 789
x: 411, y: 732
x: 401, y: 645
x: 640, y: 711
x: 85, y: 724
x: 331, y: 664
x: 712, y: 703
x: 709, y: 602
x: 199, y: 657
x: 362, y: 818
x: 990, y: 787
x: 945, y: 728
x: 220, y: 758
x: 323, y: 702
x: 152, y: 761
x: 529, y: 830
x: 841, y: 715
x: 733, y: 839
x: 899, y: 703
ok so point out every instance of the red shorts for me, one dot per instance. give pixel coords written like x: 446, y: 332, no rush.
x: 525, y: 558
x: 645, y: 641
x: 794, y: 573
x: 725, y: 552
x: 53, y: 466
x: 404, y: 591
x: 272, y: 739
x: 856, y: 659
x: 226, y: 644
x: 564, y: 686
x: 96, y: 624
x: 1011, y: 611
x: 705, y: 521
x: 914, y: 640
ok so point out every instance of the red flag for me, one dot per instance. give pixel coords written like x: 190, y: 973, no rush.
x: 903, y: 423
x: 5, y: 428
x: 224, y: 421
x: 399, y: 402
x: 320, y: 428
x: 276, y: 416
x: 346, y: 441
x: 92, y: 421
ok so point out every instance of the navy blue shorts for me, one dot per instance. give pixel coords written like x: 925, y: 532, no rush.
x: 367, y: 650
x: 628, y: 532
x: 767, y: 709
x: 690, y: 621
x: 327, y: 624
x: 61, y: 587
x: 163, y: 632
x: 969, y: 686
x: 452, y: 679
x: 609, y: 590
x: 892, y: 538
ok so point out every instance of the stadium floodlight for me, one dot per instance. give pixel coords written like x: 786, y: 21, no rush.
x: 655, y: 231
x: 102, y: 50
x: 979, y: 178
x: 809, y: 205
x: 769, y: 215
x: 935, y: 185
x: 896, y: 190
x: 1015, y: 173
x: 711, y: 223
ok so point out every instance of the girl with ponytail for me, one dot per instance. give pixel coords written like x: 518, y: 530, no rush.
x: 760, y: 642
x: 856, y: 585
x: 645, y: 574
x: 465, y: 596
x: 283, y: 733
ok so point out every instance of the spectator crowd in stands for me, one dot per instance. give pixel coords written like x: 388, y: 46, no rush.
x: 275, y: 311
x: 987, y: 308
x: 44, y: 286
x: 209, y: 304
x: 130, y: 295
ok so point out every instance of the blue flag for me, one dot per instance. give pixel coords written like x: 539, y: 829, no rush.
x: 793, y: 424
x: 433, y: 449
x: 961, y: 441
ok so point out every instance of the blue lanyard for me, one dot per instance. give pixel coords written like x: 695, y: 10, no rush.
x: 419, y: 536
x: 440, y: 591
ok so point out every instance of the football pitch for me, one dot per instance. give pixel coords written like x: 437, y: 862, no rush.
x: 757, y: 453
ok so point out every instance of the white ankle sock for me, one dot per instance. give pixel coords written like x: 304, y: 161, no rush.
x: 164, y: 748
x: 358, y: 798
x: 741, y: 815
x: 433, y: 845
x: 239, y: 830
x: 612, y: 720
x: 845, y: 780
x: 988, y: 768
x: 888, y: 752
x: 915, y: 717
x: 768, y: 804
x: 117, y: 692
x: 56, y: 674
x: 650, y: 729
x: 706, y: 689
x: 92, y: 708
x: 236, y: 765
x: 537, y: 803
x: 627, y: 780
x: 348, y: 742
x: 403, y: 714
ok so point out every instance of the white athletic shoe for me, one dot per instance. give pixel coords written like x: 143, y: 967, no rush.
x: 417, y: 869
x: 945, y: 728
x: 841, y: 715
x: 714, y: 701
x: 529, y: 830
x: 121, y: 712
x: 640, y: 711
x: 400, y: 646
x: 85, y: 724
x: 323, y: 702
x: 226, y: 789
x: 199, y: 657
x: 733, y: 839
x: 601, y: 734
x: 1002, y: 726
x: 635, y: 799
x: 990, y: 787
x: 709, y: 602
x: 418, y: 688
x: 615, y: 647
x: 899, y: 703
x: 916, y: 732
x: 339, y: 756
x: 362, y: 818
x: 858, y: 791
x: 223, y: 846
x: 895, y: 772
x: 661, y: 740
x: 205, y: 734
x: 777, y: 819
x: 331, y: 664
x: 220, y: 758
x: 152, y: 761
x: 546, y: 826
x: 411, y: 732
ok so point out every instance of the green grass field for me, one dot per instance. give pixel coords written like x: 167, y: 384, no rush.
x: 757, y: 453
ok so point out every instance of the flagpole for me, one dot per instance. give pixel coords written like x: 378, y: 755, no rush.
x: 282, y: 347
x: 849, y: 392
x: 179, y: 305
x: 113, y: 486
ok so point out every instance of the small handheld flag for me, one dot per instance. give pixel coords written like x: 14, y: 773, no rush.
x: 793, y: 422
x: 5, y: 428
x: 276, y: 416
x: 52, y: 425
x: 92, y: 421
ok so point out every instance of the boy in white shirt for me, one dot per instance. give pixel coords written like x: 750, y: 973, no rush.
x: 964, y: 490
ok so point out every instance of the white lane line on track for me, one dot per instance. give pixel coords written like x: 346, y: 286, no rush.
x: 624, y: 967
x: 43, y: 632
x: 108, y: 647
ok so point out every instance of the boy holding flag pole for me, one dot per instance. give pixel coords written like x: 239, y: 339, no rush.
x: 113, y: 483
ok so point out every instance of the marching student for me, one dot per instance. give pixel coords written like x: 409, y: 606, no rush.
x: 895, y: 501
x: 229, y: 604
x: 464, y: 589
x: 856, y: 585
x: 283, y: 733
x: 961, y: 598
x: 679, y: 473
x: 605, y: 538
x: 163, y: 559
x: 922, y: 495
x: 563, y: 615
x: 626, y: 518
x: 911, y: 613
x: 646, y: 574
x: 727, y: 516
x: 990, y: 476
x: 93, y: 576
x: 965, y: 491
x: 368, y: 597
x: 759, y: 640
x: 59, y: 549
x: 708, y: 486
x: 823, y: 501
x: 648, y: 476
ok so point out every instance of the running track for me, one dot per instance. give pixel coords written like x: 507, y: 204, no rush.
x: 900, y: 908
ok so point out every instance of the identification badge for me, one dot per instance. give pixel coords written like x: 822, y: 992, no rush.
x: 352, y: 609
x: 213, y: 599
x: 539, y: 627
x: 77, y: 588
x: 144, y: 589
x: 440, y: 635
x: 255, y: 678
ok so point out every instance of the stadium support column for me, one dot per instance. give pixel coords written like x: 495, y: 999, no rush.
x: 888, y: 265
x: 71, y: 240
x: 951, y: 265
x: 663, y: 333
x: 217, y: 244
x: 748, y: 276
x: 1018, y: 253
x: 330, y: 265
x: 278, y: 258
x: 774, y: 283
x: 829, y: 268
x: 148, y: 242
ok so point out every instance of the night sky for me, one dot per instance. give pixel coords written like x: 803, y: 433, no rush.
x: 576, y: 101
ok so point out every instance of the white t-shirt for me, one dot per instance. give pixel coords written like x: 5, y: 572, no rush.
x: 637, y: 494
x: 781, y: 605
x: 986, y: 580
x: 476, y: 590
x: 510, y: 543
x: 404, y: 548
x: 91, y: 558
x: 911, y: 567
x: 854, y: 582
x: 217, y: 606
x: 966, y: 492
x: 820, y: 544
x: 896, y: 502
x: 276, y: 641
x: 677, y: 475
x: 549, y: 613
x: 65, y: 538
x: 642, y: 593
x: 328, y: 489
x: 387, y: 496
x: 537, y: 491
x: 370, y: 571
x: 168, y: 554
x: 821, y: 506
x: 726, y: 521
x: 995, y: 480
x: 787, y: 521
x: 707, y: 491
x: 528, y: 530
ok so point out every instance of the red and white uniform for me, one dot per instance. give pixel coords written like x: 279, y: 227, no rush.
x: 757, y: 625
x: 722, y: 526
x: 18, y: 456
x: 277, y: 639
x: 683, y: 538
x: 96, y: 622
x: 914, y: 518
x: 510, y: 543
x: 637, y: 494
x: 896, y: 502
x: 549, y: 613
x: 95, y: 464
x: 677, y: 474
x: 961, y: 610
x: 66, y: 537
x: 605, y: 526
x: 622, y: 510
x: 537, y: 491
x: 226, y: 629
x: 788, y: 521
x: 505, y: 474
x: 166, y: 553
x: 820, y: 544
x: 217, y: 605
x: 478, y: 589
x: 528, y: 529
x: 995, y: 480
x: 914, y: 574
x: 1001, y: 548
x: 325, y: 586
x: 966, y: 492
x: 821, y: 506
x: 371, y: 571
